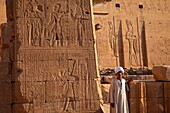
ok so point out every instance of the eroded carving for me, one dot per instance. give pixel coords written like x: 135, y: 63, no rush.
x: 33, y: 21
x: 113, y: 39
x: 69, y: 87
x: 54, y: 26
x: 133, y: 44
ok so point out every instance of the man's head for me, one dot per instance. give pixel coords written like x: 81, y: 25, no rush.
x: 119, y: 71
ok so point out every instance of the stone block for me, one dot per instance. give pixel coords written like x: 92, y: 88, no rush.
x: 167, y: 105
x: 155, y: 105
x: 5, y: 72
x: 154, y: 89
x: 19, y: 92
x: 137, y: 105
x: 105, y: 90
x: 137, y: 89
x: 5, y: 108
x: 167, y: 89
x: 139, y: 77
x: 5, y: 93
x: 106, y: 79
x: 23, y: 108
x: 161, y: 73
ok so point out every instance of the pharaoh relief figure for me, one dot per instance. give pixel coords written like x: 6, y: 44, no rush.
x: 33, y: 17
x: 69, y: 82
x: 54, y: 31
x: 133, y: 44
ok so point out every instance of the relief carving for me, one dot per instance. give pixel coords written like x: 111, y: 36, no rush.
x: 133, y: 44
x: 54, y: 34
x: 53, y: 81
x: 69, y: 93
x: 79, y: 18
x: 19, y: 8
x: 113, y: 39
x: 33, y: 21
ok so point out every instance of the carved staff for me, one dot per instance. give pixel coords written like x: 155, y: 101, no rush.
x: 138, y: 39
x: 115, y: 46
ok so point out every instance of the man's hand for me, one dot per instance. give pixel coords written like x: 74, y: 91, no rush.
x: 112, y: 104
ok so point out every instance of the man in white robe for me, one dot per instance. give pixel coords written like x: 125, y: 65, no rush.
x: 117, y: 93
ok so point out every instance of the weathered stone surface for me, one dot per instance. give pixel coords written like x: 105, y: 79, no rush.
x: 167, y: 89
x: 133, y: 33
x: 5, y: 108
x: 105, y: 90
x: 137, y: 105
x: 161, y: 72
x: 137, y: 89
x: 155, y: 105
x: 139, y: 77
x: 106, y: 79
x: 5, y: 73
x: 167, y: 105
x: 5, y: 93
x: 23, y: 108
x: 52, y: 50
x: 154, y: 89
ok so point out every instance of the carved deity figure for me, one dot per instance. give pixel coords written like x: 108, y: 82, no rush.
x: 33, y: 24
x: 133, y: 46
x: 69, y: 93
x: 113, y: 39
x: 78, y: 17
x: 54, y: 26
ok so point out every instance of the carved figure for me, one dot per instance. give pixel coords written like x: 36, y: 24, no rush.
x: 29, y: 14
x: 33, y: 24
x: 70, y: 91
x: 133, y: 46
x: 54, y: 27
x: 78, y: 17
x: 78, y: 21
x: 68, y: 82
x: 112, y: 39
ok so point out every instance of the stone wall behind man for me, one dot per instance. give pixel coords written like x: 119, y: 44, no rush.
x: 145, y: 44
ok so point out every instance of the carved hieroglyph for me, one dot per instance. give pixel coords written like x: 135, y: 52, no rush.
x: 55, y: 67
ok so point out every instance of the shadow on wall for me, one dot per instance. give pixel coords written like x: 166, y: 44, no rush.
x: 11, y: 91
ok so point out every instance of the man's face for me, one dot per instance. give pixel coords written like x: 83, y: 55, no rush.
x: 119, y: 75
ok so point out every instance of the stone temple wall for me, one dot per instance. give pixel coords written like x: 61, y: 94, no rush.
x: 132, y: 33
x: 48, y: 62
x: 3, y: 18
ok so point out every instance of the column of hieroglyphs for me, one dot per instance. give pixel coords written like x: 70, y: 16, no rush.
x: 54, y: 58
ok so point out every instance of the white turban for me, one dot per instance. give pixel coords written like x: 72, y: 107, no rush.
x: 117, y: 69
